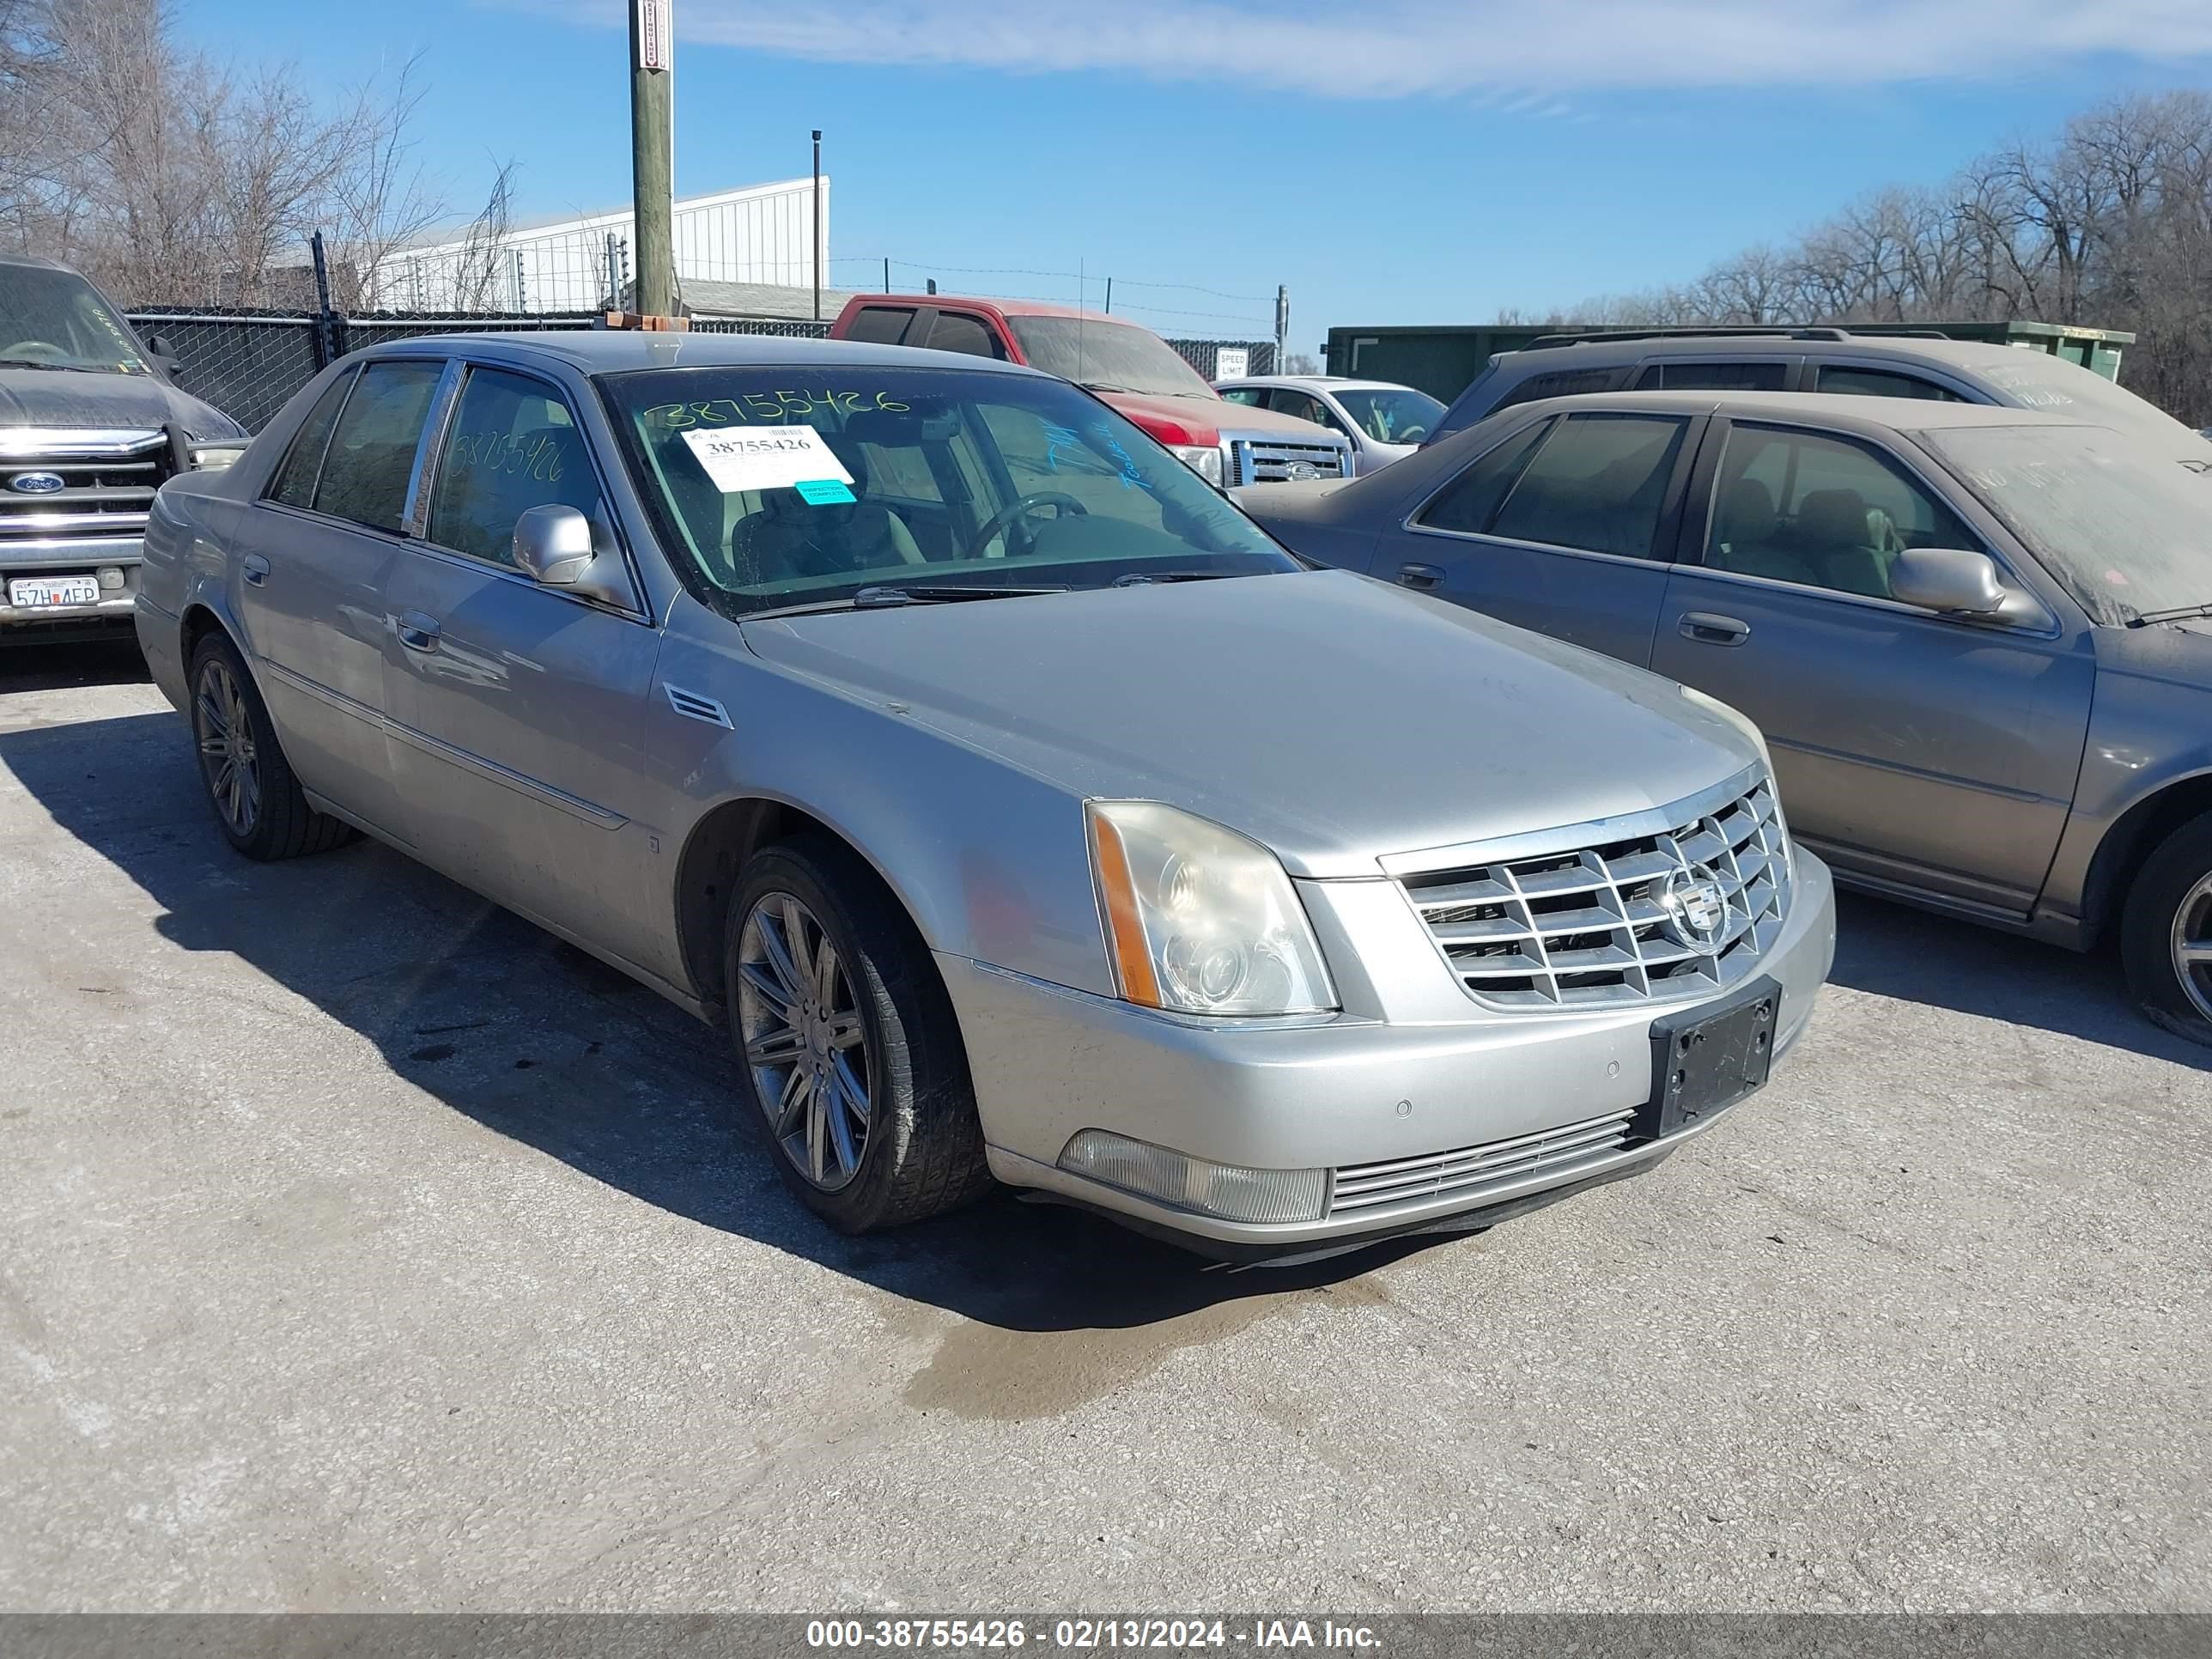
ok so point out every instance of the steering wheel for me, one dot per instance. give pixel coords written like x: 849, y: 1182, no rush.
x: 1412, y: 435
x: 36, y: 351
x: 1002, y: 522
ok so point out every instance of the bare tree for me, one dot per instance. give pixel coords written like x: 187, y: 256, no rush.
x: 174, y: 179
x: 2108, y: 222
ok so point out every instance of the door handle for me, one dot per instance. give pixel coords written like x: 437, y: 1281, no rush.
x: 1420, y: 575
x: 256, y: 569
x: 1708, y: 628
x: 416, y: 631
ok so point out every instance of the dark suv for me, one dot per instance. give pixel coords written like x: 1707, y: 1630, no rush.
x: 1831, y: 360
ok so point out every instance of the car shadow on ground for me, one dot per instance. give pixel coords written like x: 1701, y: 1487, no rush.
x: 1894, y: 950
x: 38, y: 667
x: 542, y: 1043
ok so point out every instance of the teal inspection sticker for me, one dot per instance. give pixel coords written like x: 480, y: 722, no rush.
x: 823, y: 492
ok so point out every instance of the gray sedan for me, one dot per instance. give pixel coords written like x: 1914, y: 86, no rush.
x: 1977, y: 637
x: 1019, y: 808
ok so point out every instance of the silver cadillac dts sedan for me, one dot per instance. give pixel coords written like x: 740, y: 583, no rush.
x: 1021, y: 810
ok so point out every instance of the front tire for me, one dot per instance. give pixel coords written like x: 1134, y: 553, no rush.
x: 258, y: 803
x: 850, y: 1057
x: 2166, y: 932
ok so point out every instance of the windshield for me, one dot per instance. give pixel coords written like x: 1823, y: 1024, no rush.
x: 1091, y: 353
x: 2055, y: 386
x: 55, y: 319
x: 795, y: 486
x: 1391, y: 415
x: 2127, y: 531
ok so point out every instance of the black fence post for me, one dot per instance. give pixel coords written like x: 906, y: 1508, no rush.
x: 329, y: 327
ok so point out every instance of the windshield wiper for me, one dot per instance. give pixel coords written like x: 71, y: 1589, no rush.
x: 1146, y: 578
x: 942, y: 593
x: 2179, y: 613
x: 33, y: 362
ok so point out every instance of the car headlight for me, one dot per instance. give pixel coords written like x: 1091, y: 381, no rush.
x: 1199, y: 919
x: 1745, y: 724
x: 208, y: 458
x: 1204, y: 459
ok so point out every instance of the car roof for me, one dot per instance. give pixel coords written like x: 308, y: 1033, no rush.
x: 1314, y: 383
x: 33, y: 262
x: 1829, y: 409
x: 613, y: 351
x: 1631, y: 348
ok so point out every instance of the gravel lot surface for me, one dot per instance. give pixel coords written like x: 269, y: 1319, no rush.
x: 364, y: 1248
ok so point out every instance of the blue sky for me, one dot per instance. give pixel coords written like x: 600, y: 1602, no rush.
x: 1391, y: 161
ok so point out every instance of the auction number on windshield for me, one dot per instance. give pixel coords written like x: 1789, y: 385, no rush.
x: 768, y: 406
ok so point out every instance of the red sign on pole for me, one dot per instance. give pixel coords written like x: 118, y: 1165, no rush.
x: 656, y: 34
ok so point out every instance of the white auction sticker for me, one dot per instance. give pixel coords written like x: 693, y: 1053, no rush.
x: 738, y: 458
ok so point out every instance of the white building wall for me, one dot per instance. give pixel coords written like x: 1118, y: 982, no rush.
x: 761, y: 234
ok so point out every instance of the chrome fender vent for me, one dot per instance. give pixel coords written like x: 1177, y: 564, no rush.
x: 693, y: 707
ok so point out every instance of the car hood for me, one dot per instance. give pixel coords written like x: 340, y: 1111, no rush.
x: 67, y: 396
x: 1332, y: 718
x: 1218, y: 413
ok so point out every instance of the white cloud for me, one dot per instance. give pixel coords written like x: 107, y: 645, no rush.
x: 1483, y: 49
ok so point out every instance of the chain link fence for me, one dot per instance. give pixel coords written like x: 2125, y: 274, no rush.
x: 249, y: 363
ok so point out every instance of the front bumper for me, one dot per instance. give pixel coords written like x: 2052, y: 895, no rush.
x: 1331, y: 1092
x: 71, y: 556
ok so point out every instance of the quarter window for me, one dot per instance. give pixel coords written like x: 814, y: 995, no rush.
x: 879, y: 324
x: 952, y: 332
x: 1880, y: 383
x: 512, y: 445
x: 1469, y: 502
x: 1597, y: 484
x: 1820, y: 511
x: 294, y: 484
x: 1565, y: 383
x: 1697, y: 376
x: 372, y: 453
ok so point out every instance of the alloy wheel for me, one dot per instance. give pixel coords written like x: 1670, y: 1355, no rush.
x: 228, y: 759
x: 805, y: 1041
x: 2192, y: 944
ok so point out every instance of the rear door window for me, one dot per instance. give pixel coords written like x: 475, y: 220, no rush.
x: 294, y: 483
x: 955, y: 332
x: 372, y: 453
x: 1597, y: 484
x: 1880, y: 383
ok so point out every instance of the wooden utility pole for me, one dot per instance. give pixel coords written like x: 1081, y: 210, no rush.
x: 652, y: 96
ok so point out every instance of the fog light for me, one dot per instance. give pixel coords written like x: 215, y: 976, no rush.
x: 1192, y: 1183
x: 110, y: 578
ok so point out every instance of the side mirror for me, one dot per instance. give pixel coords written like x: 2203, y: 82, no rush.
x: 158, y: 348
x: 1952, y: 579
x: 553, y: 546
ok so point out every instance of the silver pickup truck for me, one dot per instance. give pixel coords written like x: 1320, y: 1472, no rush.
x: 91, y: 424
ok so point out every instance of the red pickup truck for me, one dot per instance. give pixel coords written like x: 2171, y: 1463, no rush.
x: 1129, y: 367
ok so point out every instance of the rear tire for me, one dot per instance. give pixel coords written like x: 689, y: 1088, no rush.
x: 258, y: 804
x: 854, y: 1072
x: 2166, y: 932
